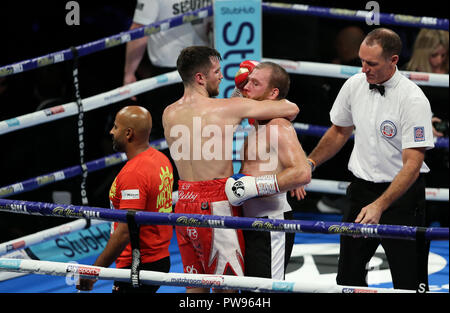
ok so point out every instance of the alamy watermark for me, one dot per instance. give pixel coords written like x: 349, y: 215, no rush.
x: 373, y: 16
x: 214, y: 142
x: 73, y: 16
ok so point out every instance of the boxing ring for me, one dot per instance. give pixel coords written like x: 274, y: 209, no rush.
x: 15, y: 255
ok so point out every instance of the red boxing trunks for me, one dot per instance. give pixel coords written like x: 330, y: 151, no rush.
x: 208, y: 250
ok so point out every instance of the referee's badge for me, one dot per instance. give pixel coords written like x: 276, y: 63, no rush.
x: 388, y: 129
x: 419, y: 133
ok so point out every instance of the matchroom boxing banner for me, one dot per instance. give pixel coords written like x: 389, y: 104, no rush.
x: 237, y: 35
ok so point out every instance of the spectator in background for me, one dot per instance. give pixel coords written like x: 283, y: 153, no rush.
x: 347, y: 44
x: 430, y: 52
x: 163, y: 49
x: 430, y: 55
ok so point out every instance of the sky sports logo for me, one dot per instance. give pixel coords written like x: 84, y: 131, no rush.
x: 83, y: 270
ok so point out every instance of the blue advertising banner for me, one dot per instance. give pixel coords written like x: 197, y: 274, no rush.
x: 238, y: 33
x: 74, y: 246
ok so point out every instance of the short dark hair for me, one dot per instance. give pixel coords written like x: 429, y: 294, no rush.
x: 195, y: 59
x: 389, y: 41
x: 279, y: 78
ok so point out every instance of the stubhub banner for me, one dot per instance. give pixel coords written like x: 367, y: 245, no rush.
x: 66, y: 248
x: 238, y: 33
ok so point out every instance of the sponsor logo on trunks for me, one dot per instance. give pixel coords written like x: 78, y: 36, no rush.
x: 216, y: 142
x: 185, y: 186
x: 388, y: 129
x: 192, y: 233
x: 187, y: 196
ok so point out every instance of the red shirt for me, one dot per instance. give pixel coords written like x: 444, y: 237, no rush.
x: 145, y: 183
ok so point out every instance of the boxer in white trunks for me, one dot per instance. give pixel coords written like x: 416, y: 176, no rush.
x: 267, y: 253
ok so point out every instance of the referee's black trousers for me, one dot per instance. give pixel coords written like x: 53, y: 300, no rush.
x: 408, y: 259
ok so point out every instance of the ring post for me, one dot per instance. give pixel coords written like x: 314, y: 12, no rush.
x: 238, y: 37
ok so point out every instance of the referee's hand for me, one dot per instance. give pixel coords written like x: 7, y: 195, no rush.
x: 369, y: 214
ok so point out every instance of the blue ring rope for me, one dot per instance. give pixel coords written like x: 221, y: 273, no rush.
x: 113, y: 159
x: 214, y: 221
x: 104, y: 43
x: 356, y: 15
x: 123, y: 37
x: 69, y: 172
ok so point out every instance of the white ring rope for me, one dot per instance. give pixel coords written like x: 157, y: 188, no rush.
x: 127, y: 91
x: 345, y: 71
x: 91, y: 103
x: 182, y: 279
x: 340, y: 187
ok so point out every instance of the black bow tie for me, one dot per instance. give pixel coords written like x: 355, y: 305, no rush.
x: 380, y: 88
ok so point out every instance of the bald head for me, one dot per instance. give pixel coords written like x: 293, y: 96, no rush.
x: 137, y: 118
x: 347, y: 43
x: 132, y: 126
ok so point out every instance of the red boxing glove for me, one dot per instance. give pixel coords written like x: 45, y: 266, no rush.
x: 245, y: 69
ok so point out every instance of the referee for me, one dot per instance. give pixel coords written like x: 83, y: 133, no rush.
x: 391, y: 120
